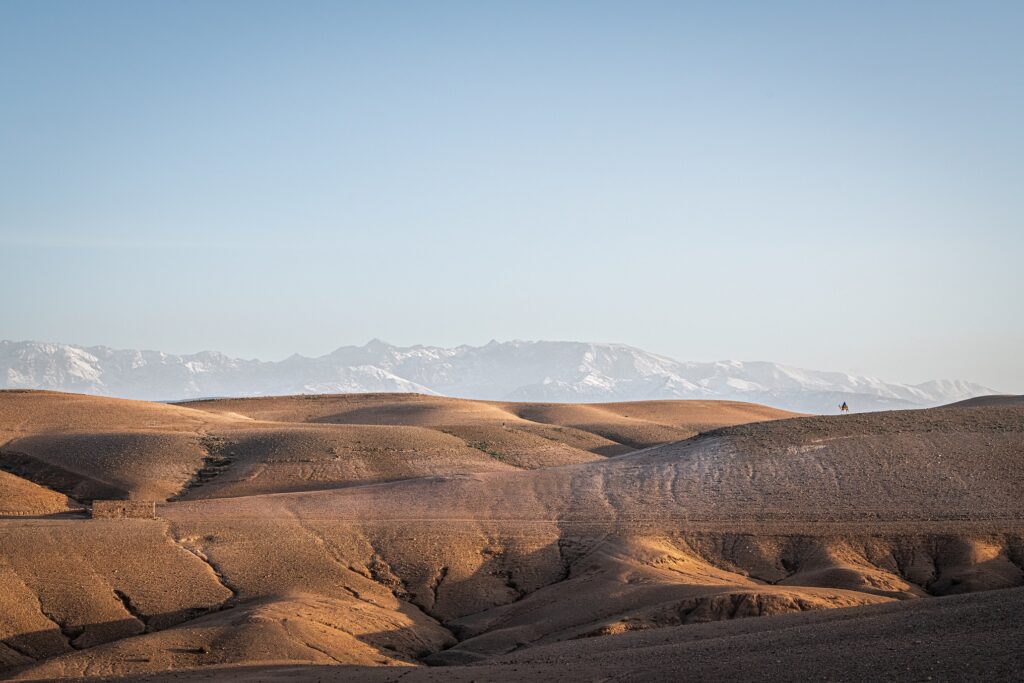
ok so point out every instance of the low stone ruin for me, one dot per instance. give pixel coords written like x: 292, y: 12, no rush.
x: 123, y: 509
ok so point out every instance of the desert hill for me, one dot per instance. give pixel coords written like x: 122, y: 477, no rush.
x: 598, y: 425
x: 35, y: 412
x: 885, y: 506
x: 92, y: 447
x: 980, y: 401
x: 21, y: 497
x: 964, y: 638
x: 359, y: 532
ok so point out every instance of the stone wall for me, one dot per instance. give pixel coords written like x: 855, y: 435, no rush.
x: 123, y: 509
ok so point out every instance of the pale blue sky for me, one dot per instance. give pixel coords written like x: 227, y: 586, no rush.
x: 833, y: 185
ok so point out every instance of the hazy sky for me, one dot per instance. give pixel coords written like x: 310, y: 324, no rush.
x: 833, y: 185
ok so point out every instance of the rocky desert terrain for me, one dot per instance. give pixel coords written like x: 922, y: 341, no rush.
x: 386, y: 536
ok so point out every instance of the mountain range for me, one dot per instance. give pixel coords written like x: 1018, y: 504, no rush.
x: 507, y: 371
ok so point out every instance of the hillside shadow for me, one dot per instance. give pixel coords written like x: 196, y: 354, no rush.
x: 194, y: 655
x: 79, y: 487
x: 612, y: 450
x: 288, y: 672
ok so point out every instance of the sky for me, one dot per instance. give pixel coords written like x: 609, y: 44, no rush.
x: 837, y: 186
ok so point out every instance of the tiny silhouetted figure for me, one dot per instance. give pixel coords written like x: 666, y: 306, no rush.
x: 844, y: 408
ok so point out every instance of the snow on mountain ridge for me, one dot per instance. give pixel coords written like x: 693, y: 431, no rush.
x: 516, y: 370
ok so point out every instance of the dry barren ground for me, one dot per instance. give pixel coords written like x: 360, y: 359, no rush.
x: 370, y: 536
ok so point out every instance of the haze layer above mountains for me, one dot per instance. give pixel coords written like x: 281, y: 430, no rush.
x: 510, y: 371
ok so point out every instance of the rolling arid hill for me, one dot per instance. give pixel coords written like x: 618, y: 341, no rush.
x: 955, y: 638
x: 91, y: 447
x: 997, y: 400
x: 368, y: 536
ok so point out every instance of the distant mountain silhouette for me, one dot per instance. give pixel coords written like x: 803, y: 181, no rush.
x: 515, y: 370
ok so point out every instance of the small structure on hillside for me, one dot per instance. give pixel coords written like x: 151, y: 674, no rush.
x: 123, y: 509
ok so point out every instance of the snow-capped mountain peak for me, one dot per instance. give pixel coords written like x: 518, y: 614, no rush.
x: 516, y: 370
